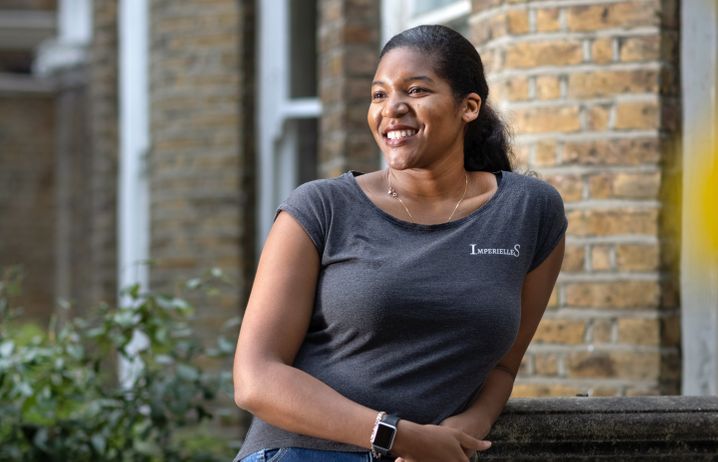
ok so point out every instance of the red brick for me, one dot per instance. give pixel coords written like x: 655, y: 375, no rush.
x: 611, y: 222
x: 631, y: 151
x: 574, y: 258
x: 545, y: 53
x: 548, y: 20
x: 607, y: 82
x: 637, y: 115
x: 560, y: 331
x: 614, y: 364
x: 548, y: 119
x: 615, y: 294
x: 613, y: 15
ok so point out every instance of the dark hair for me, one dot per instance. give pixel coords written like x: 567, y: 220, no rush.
x: 486, y: 140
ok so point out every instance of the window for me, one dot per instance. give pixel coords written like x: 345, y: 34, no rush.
x: 398, y: 15
x: 289, y: 108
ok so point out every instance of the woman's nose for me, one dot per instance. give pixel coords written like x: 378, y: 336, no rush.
x: 395, y: 107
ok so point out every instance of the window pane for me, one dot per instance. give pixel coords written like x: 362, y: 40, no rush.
x: 422, y: 6
x: 461, y: 25
x: 307, y: 136
x: 303, y: 48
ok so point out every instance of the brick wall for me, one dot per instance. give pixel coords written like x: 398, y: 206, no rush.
x: 103, y: 123
x: 62, y: 146
x: 201, y: 174
x: 591, y: 91
x: 74, y: 270
x: 195, y: 160
x: 348, y: 46
x: 27, y: 196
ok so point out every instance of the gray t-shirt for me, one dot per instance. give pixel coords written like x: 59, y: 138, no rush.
x: 410, y: 318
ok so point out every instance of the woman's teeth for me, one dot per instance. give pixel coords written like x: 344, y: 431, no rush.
x: 398, y: 134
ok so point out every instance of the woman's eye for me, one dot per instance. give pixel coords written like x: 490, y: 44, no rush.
x: 377, y: 95
x: 416, y: 90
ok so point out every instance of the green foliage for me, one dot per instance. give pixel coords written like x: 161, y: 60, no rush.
x: 61, y: 399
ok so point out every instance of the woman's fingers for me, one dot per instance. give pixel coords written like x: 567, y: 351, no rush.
x: 469, y: 442
x: 431, y: 443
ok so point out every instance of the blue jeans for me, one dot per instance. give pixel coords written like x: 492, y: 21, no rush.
x: 307, y: 455
x: 312, y: 455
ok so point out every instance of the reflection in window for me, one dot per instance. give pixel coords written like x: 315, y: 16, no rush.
x: 308, y: 135
x: 423, y: 6
x: 452, y: 13
x: 303, y: 48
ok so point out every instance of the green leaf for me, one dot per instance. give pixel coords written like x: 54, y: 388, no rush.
x: 186, y: 372
x: 59, y: 397
x: 6, y: 348
x: 164, y: 359
x: 99, y: 443
x: 224, y: 345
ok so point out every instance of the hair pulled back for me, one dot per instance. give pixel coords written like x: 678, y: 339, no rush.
x: 486, y: 140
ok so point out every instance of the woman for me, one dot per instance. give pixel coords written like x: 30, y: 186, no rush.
x: 391, y: 309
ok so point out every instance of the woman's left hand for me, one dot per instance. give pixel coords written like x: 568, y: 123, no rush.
x: 467, y: 424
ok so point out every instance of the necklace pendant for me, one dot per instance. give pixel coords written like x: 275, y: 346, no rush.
x: 392, y: 192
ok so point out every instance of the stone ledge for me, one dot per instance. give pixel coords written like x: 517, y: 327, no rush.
x: 642, y: 428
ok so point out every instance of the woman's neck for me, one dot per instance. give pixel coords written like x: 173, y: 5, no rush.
x: 434, y: 184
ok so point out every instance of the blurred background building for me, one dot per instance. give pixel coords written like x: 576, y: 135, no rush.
x: 169, y: 130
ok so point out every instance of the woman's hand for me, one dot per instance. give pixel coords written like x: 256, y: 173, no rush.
x: 468, y: 424
x: 431, y: 443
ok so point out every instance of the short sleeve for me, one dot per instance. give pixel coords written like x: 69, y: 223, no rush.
x: 552, y: 224
x: 306, y: 205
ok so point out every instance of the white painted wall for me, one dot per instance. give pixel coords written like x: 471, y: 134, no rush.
x: 699, y: 280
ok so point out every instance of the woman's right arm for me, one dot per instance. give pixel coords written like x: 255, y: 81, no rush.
x: 273, y: 328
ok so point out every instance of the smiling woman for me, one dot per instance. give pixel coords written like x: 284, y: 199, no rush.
x: 414, y: 116
x: 391, y: 326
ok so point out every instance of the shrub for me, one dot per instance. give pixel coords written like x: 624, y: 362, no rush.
x: 62, y: 400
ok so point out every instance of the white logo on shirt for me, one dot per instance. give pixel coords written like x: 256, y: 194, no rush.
x: 475, y: 250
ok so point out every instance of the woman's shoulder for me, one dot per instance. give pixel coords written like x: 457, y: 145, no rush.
x: 325, y: 193
x: 532, y: 185
x: 326, y: 186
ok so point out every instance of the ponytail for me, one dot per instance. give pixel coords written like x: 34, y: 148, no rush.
x: 487, y: 144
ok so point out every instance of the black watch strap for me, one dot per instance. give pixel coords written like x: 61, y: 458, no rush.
x: 384, y: 434
x: 390, y: 419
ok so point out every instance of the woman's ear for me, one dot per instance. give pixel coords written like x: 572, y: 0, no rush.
x: 472, y: 105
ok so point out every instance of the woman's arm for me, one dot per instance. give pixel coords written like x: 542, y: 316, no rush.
x: 537, y: 287
x: 273, y: 328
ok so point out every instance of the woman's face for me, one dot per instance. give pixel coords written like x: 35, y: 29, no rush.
x: 414, y: 116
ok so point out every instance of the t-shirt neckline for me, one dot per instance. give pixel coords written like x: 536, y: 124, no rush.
x: 500, y: 187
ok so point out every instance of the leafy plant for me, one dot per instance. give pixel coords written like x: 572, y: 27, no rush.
x: 62, y: 400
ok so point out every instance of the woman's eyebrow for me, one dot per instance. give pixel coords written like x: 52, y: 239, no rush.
x: 424, y: 78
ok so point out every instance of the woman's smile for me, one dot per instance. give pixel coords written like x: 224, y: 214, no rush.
x: 399, y: 135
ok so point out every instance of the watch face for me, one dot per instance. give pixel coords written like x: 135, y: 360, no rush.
x: 384, y: 435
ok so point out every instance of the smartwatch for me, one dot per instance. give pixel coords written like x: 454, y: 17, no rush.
x: 384, y: 434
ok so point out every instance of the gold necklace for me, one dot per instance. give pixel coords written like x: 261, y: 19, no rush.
x: 392, y: 192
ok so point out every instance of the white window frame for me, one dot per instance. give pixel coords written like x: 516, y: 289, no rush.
x: 74, y: 33
x: 133, y: 221
x: 277, y: 132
